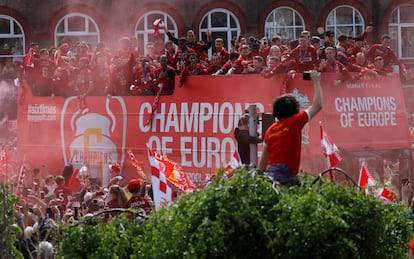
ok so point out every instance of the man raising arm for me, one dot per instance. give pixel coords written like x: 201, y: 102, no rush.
x: 282, y: 141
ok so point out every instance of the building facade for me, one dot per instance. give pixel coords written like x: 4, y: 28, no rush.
x: 51, y: 23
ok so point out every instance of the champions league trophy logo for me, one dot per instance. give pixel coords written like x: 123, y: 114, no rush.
x: 304, y: 103
x: 88, y: 139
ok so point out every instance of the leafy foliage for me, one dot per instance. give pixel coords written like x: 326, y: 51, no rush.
x: 9, y: 233
x: 96, y: 240
x: 246, y: 217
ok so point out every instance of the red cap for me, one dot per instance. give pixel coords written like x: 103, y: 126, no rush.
x: 134, y: 186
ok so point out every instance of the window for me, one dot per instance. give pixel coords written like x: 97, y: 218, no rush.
x: 144, y: 30
x: 76, y: 27
x: 12, y: 43
x: 286, y: 22
x: 401, y: 30
x: 223, y: 24
x: 346, y: 20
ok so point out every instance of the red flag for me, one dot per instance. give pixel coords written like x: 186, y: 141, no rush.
x: 28, y: 59
x: 235, y: 162
x: 20, y: 181
x: 155, y: 105
x: 174, y: 173
x: 388, y: 195
x: 366, y: 181
x: 141, y: 174
x: 157, y: 23
x: 329, y: 149
x: 368, y: 185
x: 74, y: 183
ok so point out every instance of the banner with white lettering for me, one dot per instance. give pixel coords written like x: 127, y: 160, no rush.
x: 195, y: 126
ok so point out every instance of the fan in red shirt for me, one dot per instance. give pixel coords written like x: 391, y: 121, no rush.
x: 165, y: 76
x: 61, y: 191
x: 331, y: 65
x: 387, y: 53
x: 283, y: 140
x: 145, y: 79
x: 379, y: 68
x: 181, y: 55
x: 118, y: 197
x: 137, y: 201
x: 220, y: 51
x: 304, y: 54
x: 194, y: 68
x: 100, y: 68
x: 42, y: 73
x: 191, y: 42
x: 242, y: 62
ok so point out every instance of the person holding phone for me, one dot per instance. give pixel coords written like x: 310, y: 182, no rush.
x: 331, y: 65
x: 283, y: 139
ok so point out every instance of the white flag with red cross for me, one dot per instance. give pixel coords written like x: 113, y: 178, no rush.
x: 329, y: 149
x: 163, y: 193
x: 369, y: 185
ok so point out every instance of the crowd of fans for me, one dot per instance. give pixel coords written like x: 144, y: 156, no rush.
x: 71, y: 197
x: 79, y: 71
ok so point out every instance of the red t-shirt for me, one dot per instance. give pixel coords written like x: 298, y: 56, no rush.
x: 305, y: 59
x: 137, y: 202
x: 114, y: 203
x: 284, y: 139
x: 62, y: 192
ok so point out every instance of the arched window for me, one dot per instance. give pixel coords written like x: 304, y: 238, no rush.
x: 286, y: 22
x: 12, y: 43
x: 223, y: 24
x: 144, y: 30
x: 345, y: 19
x: 401, y: 30
x: 76, y: 27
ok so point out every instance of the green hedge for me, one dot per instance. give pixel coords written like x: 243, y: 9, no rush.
x: 9, y: 233
x: 246, y: 218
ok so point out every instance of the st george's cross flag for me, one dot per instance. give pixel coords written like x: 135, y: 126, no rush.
x: 329, y: 149
x: 369, y: 185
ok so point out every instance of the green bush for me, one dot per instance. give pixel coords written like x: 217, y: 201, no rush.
x: 245, y: 218
x: 9, y: 233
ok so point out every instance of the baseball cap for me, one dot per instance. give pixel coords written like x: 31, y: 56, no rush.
x: 329, y: 33
x: 134, y: 186
x: 315, y: 39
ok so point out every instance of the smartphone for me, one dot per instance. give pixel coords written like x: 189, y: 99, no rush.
x: 405, y: 180
x: 75, y: 216
x: 84, y: 205
x: 306, y: 75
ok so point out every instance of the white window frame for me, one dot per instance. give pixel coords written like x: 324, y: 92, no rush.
x: 13, y: 34
x: 227, y: 29
x: 333, y: 27
x: 86, y: 32
x: 271, y: 28
x: 172, y: 28
x: 399, y: 26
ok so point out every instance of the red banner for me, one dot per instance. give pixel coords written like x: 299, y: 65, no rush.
x: 194, y: 127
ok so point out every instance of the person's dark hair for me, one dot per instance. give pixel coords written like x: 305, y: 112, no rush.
x: 285, y: 106
x: 234, y: 55
x: 67, y: 172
